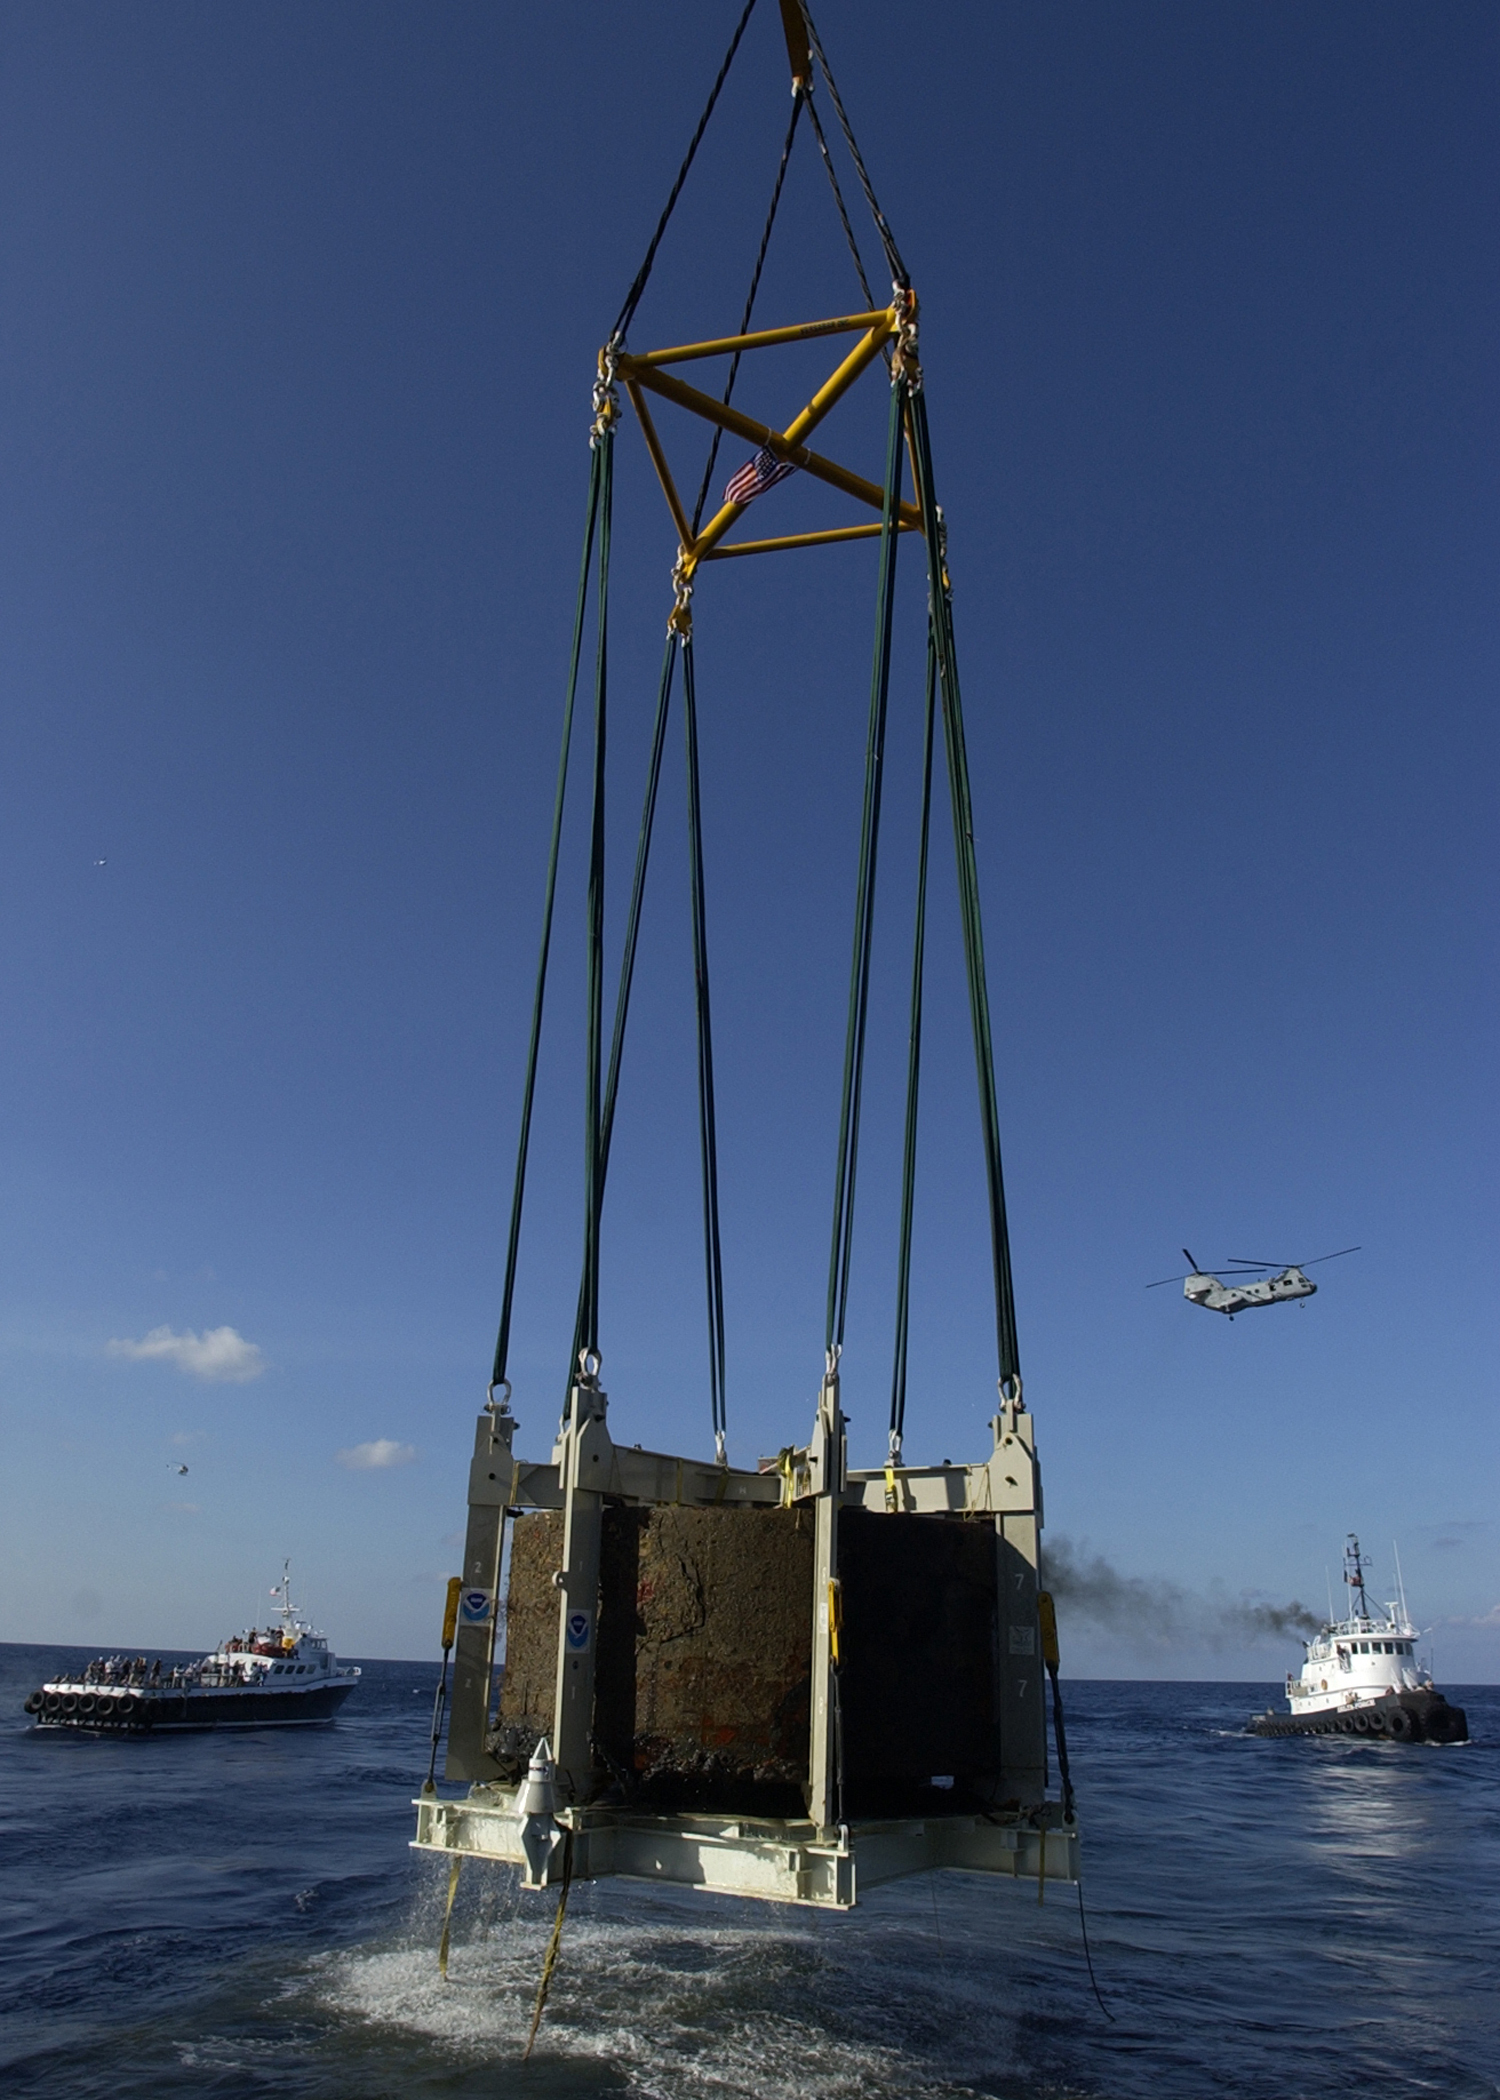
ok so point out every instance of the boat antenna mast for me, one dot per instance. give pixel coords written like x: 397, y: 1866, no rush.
x: 1354, y: 1575
x: 283, y: 1590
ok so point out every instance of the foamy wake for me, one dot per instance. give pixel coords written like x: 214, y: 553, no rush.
x: 678, y: 2002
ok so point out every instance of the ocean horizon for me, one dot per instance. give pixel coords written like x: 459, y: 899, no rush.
x: 241, y: 1915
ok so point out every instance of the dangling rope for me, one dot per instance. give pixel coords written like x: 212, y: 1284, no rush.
x: 528, y: 1092
x: 913, y: 1073
x: 864, y: 910
x: 633, y: 296
x: 707, y: 1126
x: 454, y: 1867
x: 593, y: 1162
x: 549, y: 1959
x: 1052, y: 1660
x: 798, y: 98
x: 941, y: 611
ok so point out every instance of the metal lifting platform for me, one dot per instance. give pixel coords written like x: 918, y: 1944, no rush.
x: 798, y: 1682
x: 982, y: 1713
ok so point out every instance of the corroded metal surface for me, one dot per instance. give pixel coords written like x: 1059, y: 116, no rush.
x: 715, y: 1708
x: 528, y: 1689
x: 704, y: 1651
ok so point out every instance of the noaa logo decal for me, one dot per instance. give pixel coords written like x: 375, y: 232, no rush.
x: 475, y: 1607
x: 580, y: 1628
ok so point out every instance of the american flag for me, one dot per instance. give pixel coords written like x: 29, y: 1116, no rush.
x: 756, y: 476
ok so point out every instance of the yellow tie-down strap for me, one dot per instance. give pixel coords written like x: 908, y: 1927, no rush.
x: 450, y: 1611
x: 1051, y: 1655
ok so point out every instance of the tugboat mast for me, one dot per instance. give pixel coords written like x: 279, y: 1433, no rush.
x: 1354, y: 1575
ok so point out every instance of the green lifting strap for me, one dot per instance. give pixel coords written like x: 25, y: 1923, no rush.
x: 627, y: 959
x: 528, y: 1092
x: 913, y: 1071
x: 864, y: 906
x: 707, y: 1119
x: 593, y: 1078
x: 941, y: 610
x: 707, y: 1123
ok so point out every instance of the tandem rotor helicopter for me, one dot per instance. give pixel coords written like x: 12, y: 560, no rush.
x: 1235, y: 1291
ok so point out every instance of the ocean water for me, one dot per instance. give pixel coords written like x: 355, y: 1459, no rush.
x: 240, y: 1915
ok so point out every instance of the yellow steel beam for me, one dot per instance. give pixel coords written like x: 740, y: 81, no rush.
x: 801, y: 539
x: 763, y: 339
x: 659, y: 461
x: 838, y: 384
x: 785, y: 444
x: 788, y: 444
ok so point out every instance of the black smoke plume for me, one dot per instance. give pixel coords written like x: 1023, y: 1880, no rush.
x: 1152, y: 1613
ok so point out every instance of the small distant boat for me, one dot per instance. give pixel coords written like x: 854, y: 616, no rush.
x: 1362, y: 1678
x: 282, y: 1677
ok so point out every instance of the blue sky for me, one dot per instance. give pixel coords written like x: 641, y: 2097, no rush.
x: 301, y: 308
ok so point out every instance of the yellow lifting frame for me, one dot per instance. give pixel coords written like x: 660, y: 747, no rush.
x: 645, y: 374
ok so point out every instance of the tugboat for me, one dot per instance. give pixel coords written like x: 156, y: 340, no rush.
x: 1361, y: 1678
x: 284, y: 1677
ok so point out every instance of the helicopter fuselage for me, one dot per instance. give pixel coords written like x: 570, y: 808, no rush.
x: 1231, y: 1298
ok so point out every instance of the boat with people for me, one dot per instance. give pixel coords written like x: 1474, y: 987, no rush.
x: 283, y: 1676
x: 1362, y: 1676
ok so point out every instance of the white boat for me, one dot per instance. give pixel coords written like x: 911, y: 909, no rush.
x: 284, y: 1676
x: 1362, y: 1677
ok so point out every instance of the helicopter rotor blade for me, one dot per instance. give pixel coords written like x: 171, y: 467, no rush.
x: 1167, y: 1279
x: 1187, y: 1255
x: 1294, y: 1264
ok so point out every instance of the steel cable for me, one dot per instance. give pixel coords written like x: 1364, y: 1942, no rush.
x: 633, y: 296
x: 838, y: 198
x: 798, y: 99
x: 887, y: 239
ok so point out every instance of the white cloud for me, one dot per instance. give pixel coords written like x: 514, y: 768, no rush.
x: 382, y: 1451
x: 219, y: 1354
